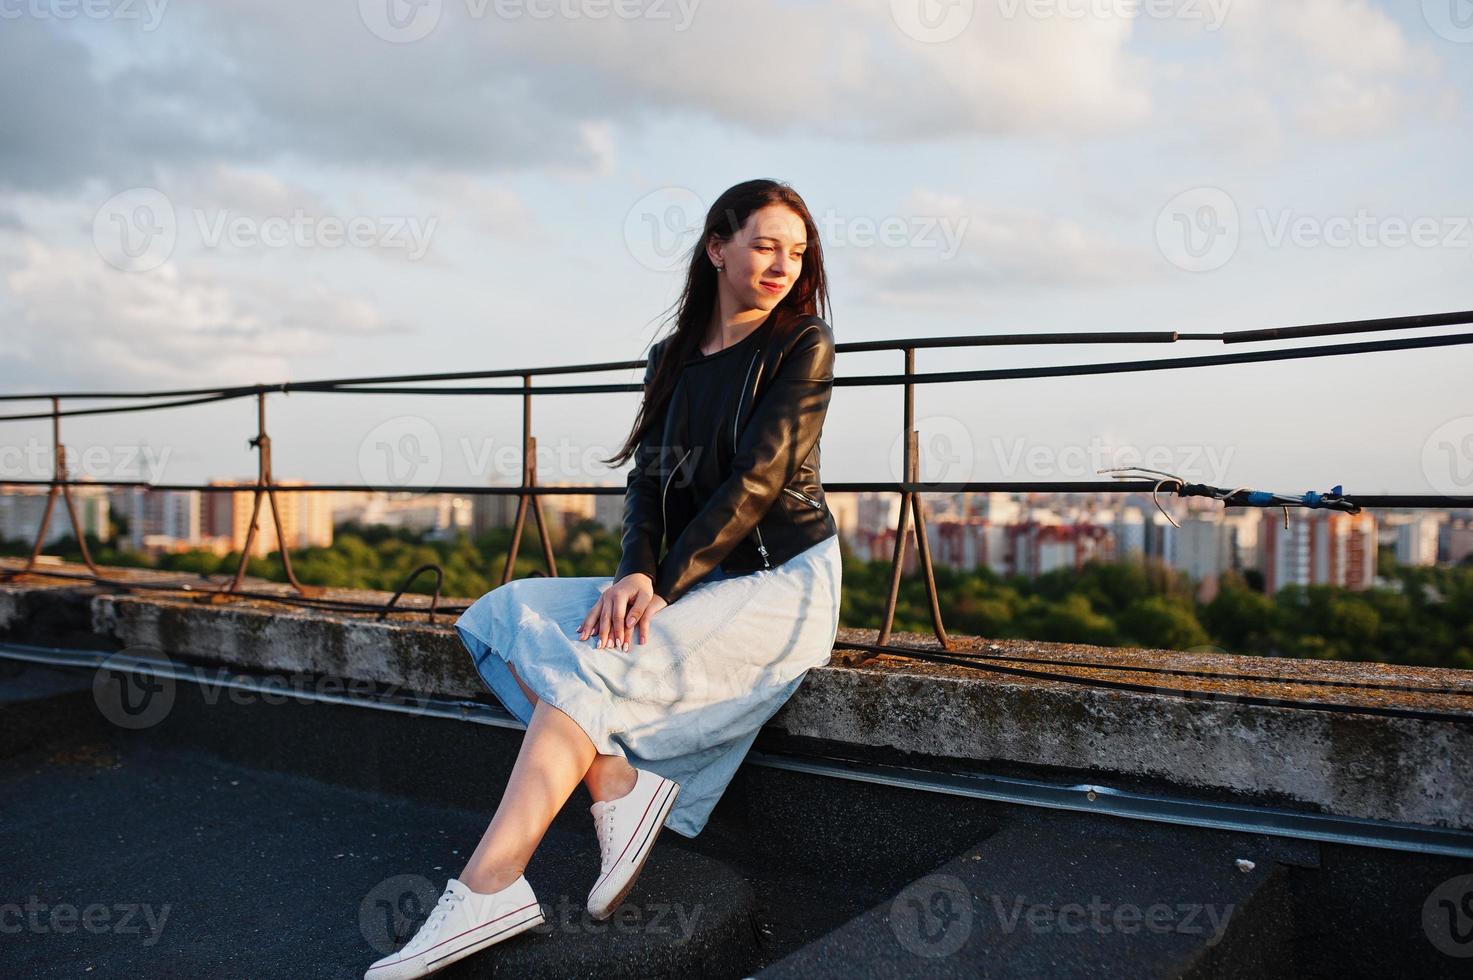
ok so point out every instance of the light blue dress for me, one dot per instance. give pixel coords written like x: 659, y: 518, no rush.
x: 688, y: 704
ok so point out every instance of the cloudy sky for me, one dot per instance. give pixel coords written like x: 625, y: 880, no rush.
x: 232, y: 191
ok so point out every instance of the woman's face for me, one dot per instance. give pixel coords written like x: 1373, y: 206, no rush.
x: 763, y: 260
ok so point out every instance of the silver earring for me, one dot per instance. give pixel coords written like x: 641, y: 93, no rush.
x: 719, y: 268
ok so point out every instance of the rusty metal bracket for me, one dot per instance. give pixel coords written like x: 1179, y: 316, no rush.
x: 529, y: 479
x: 59, y: 478
x: 911, y: 505
x: 263, y: 486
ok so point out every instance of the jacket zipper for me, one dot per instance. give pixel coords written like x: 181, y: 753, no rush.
x: 804, y: 497
x: 736, y: 418
x: 761, y: 549
x: 740, y: 395
x: 664, y: 520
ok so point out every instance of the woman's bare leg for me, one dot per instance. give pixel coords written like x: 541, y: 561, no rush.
x: 555, y: 755
x: 609, y: 776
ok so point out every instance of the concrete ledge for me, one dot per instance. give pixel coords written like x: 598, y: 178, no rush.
x: 1351, y: 764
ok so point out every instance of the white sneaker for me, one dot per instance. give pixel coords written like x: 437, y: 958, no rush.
x: 462, y: 922
x: 627, y: 828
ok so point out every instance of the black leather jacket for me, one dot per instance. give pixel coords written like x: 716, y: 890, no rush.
x: 729, y: 474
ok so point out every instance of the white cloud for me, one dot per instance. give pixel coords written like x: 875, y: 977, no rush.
x: 1342, y: 68
x: 81, y: 322
x: 844, y: 68
x: 263, y: 82
x: 1001, y: 249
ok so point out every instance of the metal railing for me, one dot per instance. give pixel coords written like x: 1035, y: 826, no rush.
x: 529, y: 493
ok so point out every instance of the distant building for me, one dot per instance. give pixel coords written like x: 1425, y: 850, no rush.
x: 1318, y: 548
x: 1128, y: 528
x: 21, y: 508
x: 608, y: 511
x: 1414, y: 537
x: 1457, y: 541
x: 306, y: 517
x: 960, y: 544
x: 427, y: 513
x: 1201, y: 547
x: 845, y: 508
x: 1244, y: 526
x: 566, y: 509
x: 492, y: 510
x: 161, y: 519
x: 876, y: 512
x: 1037, y: 548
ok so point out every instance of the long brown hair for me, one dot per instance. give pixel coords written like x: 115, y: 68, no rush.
x: 697, y: 301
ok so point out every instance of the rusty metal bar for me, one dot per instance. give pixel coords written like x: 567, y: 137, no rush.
x: 923, y: 549
x: 529, y: 479
x: 910, y: 505
x: 264, y: 487
x: 60, y: 481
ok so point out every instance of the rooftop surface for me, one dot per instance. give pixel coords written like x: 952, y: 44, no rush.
x: 896, y: 818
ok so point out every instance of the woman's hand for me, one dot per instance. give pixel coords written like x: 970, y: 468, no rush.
x: 623, y: 606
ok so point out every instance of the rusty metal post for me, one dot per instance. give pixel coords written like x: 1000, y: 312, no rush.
x: 263, y: 486
x: 923, y: 546
x: 59, y: 476
x: 910, y: 504
x: 529, y: 479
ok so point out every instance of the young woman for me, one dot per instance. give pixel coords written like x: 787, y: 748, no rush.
x: 650, y: 687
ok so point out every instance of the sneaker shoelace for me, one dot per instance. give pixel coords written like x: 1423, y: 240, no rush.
x: 437, y: 915
x: 606, y: 839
